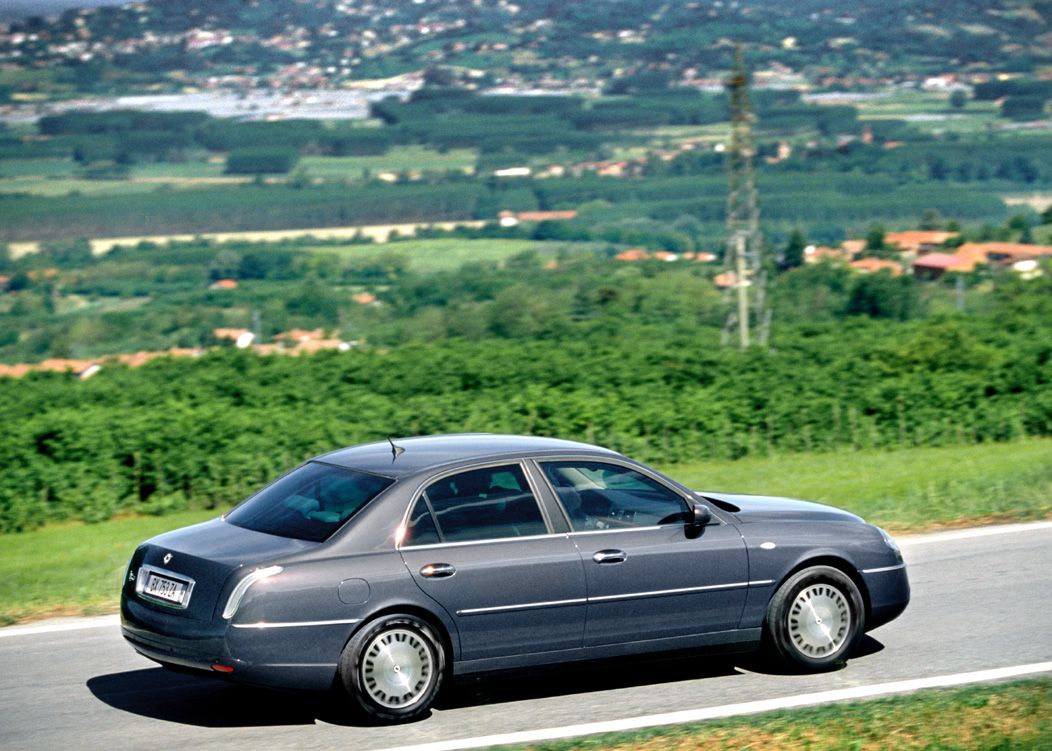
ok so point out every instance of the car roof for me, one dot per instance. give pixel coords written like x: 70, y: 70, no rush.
x: 422, y: 453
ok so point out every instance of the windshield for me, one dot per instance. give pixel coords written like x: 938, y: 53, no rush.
x: 309, y: 503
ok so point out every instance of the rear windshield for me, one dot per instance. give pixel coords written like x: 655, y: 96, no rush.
x: 309, y: 503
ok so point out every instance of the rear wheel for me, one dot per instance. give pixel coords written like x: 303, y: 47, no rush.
x: 815, y: 619
x: 392, y: 669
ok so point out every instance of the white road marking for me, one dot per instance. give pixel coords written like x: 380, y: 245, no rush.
x: 103, y: 621
x: 968, y: 534
x: 730, y: 710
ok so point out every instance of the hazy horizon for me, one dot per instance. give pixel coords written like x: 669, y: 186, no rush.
x: 12, y: 10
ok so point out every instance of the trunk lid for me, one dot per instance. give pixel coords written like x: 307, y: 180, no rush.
x: 201, y: 559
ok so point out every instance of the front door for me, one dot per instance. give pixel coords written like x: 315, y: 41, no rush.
x: 649, y: 575
x: 478, y: 544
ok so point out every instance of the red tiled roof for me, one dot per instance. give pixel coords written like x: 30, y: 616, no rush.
x: 544, y: 216
x: 635, y: 254
x: 944, y: 262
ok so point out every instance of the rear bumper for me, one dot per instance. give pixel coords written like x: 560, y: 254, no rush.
x: 889, y: 594
x: 173, y: 640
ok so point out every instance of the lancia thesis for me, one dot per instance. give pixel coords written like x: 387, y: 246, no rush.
x: 381, y: 570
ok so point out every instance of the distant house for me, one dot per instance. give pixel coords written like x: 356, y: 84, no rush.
x: 632, y: 255
x: 1007, y: 253
x: 242, y: 338
x: 545, y: 216
x: 4, y: 280
x: 818, y: 253
x: 364, y: 298
x: 919, y: 241
x: 223, y: 284
x: 513, y: 172
x: 873, y: 265
x: 934, y: 265
x: 82, y: 369
x: 299, y: 336
x: 512, y: 219
x: 853, y: 247
x: 727, y: 279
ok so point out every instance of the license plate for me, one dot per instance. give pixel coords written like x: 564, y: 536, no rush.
x: 165, y: 589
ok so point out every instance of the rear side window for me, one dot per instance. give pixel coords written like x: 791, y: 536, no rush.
x: 309, y: 503
x: 482, y: 504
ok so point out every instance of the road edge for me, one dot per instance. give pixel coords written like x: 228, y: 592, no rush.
x: 733, y: 710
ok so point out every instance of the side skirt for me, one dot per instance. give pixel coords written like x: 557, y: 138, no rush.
x: 738, y: 640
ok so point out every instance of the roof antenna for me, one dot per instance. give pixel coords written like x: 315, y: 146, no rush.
x: 396, y: 451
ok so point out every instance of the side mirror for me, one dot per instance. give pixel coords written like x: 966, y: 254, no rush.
x: 700, y: 515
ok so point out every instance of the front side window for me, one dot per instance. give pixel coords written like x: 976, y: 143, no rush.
x: 481, y: 504
x: 596, y: 495
x: 309, y: 503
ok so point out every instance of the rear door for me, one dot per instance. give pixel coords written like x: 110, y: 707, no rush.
x: 479, y: 544
x: 649, y: 575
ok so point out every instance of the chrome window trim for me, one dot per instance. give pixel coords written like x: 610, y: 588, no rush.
x: 649, y: 528
x: 457, y: 543
x: 140, y: 586
x: 883, y: 569
x: 422, y: 487
x: 296, y: 624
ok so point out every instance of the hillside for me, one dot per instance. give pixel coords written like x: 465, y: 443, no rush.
x: 618, y: 44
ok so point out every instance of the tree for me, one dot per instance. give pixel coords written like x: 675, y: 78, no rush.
x: 875, y: 237
x: 930, y: 219
x: 958, y: 99
x: 226, y: 265
x: 793, y: 256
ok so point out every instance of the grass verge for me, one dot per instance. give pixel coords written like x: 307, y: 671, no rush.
x: 906, y: 490
x: 76, y: 568
x: 1004, y: 716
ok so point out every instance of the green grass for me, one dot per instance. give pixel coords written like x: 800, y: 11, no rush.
x: 903, y: 490
x: 1004, y: 716
x: 903, y: 103
x: 398, y: 159
x: 178, y: 170
x: 429, y: 256
x: 76, y: 568
x: 36, y: 168
x: 51, y: 187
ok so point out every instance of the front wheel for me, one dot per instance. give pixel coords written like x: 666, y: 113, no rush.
x: 815, y: 619
x: 392, y: 669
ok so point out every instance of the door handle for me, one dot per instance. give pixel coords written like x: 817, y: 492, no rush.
x: 437, y: 571
x: 610, y: 556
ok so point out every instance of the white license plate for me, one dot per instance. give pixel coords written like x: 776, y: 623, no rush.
x: 166, y: 589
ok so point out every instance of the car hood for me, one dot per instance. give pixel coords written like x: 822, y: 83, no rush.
x: 761, y: 508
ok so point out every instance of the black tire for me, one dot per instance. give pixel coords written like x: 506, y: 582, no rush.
x: 815, y: 620
x: 386, y: 653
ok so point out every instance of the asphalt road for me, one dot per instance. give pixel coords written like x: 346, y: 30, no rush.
x: 978, y: 602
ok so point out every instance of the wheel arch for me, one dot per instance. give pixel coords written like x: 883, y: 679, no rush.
x: 841, y: 564
x: 430, y: 618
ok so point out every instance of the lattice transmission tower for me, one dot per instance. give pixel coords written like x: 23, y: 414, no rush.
x: 746, y: 297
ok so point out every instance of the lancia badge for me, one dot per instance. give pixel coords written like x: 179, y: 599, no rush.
x: 167, y: 557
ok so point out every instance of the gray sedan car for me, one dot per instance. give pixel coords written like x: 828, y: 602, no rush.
x: 383, y: 569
